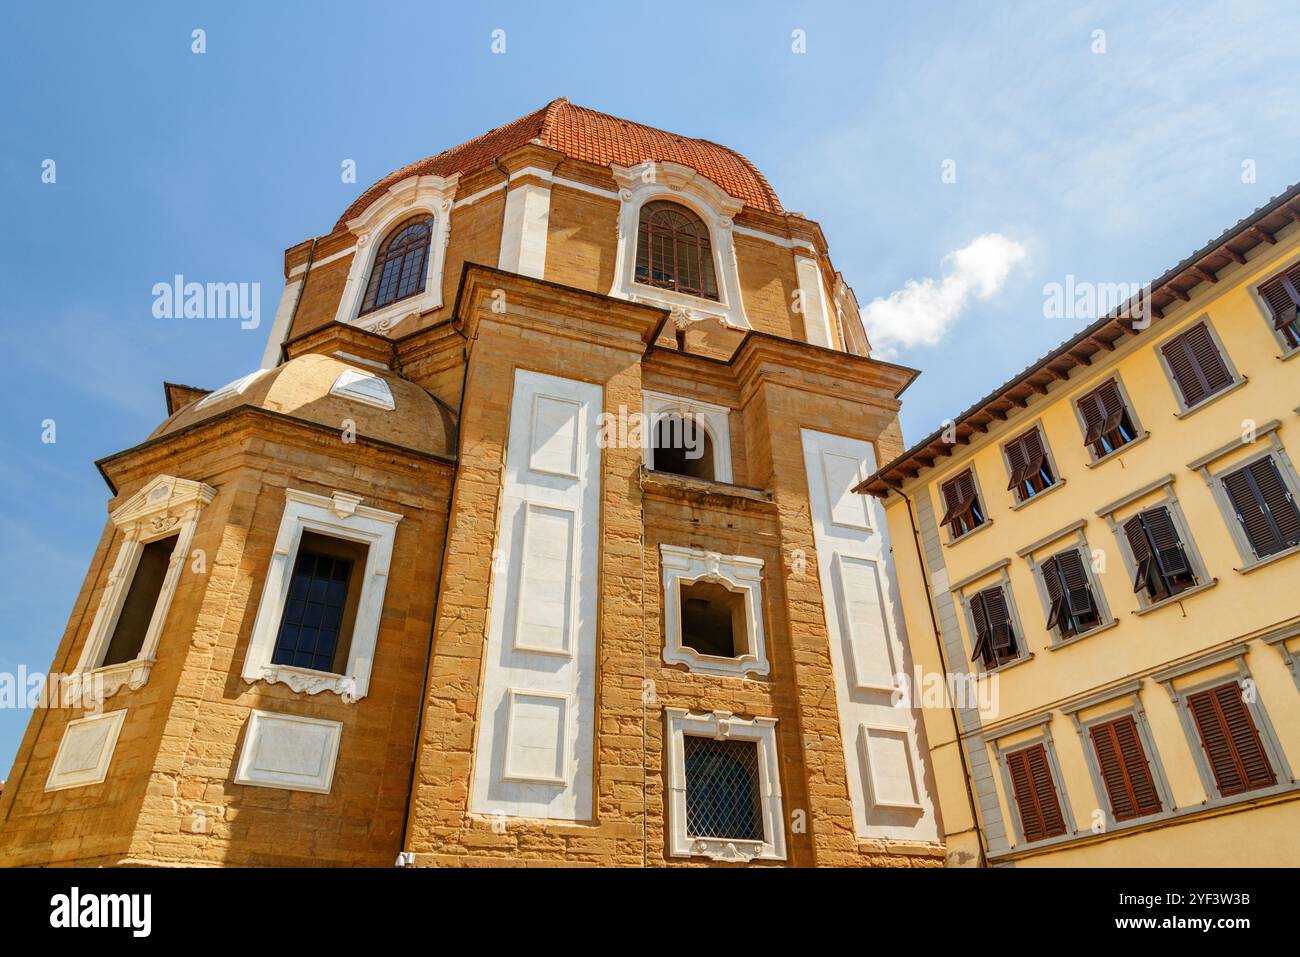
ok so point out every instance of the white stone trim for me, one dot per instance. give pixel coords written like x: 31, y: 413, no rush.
x: 85, y: 751
x: 283, y: 318
x: 813, y: 302
x: 289, y: 752
x: 232, y: 388
x: 523, y: 230
x: 323, y: 261
x: 723, y: 725
x: 364, y: 387
x: 413, y: 195
x: 714, y: 419
x: 872, y: 761
x: 515, y: 723
x: 341, y: 516
x: 685, y: 566
x: 165, y: 506
x: 651, y: 181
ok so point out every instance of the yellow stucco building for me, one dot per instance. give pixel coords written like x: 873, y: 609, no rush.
x: 1099, y: 565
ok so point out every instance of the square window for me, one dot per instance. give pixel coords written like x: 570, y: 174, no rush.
x: 1163, y: 567
x: 713, y: 612
x: 1028, y: 465
x: 997, y: 639
x: 1108, y: 420
x: 963, y: 510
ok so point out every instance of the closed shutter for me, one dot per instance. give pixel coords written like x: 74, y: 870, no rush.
x: 1035, y: 794
x: 1124, y: 769
x: 1282, y: 293
x: 958, y: 494
x: 1230, y: 739
x: 1264, y: 507
x: 1197, y: 364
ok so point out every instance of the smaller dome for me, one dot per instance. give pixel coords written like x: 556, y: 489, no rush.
x: 329, y: 391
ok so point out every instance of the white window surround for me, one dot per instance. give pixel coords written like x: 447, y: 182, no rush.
x: 231, y: 388
x: 724, y: 726
x: 685, y: 566
x: 340, y: 516
x: 364, y: 387
x: 889, y: 749
x: 714, y: 419
x: 289, y: 752
x: 165, y: 506
x: 679, y: 184
x: 85, y: 751
x: 416, y: 194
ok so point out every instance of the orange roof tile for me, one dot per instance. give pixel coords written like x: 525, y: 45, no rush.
x: 593, y: 137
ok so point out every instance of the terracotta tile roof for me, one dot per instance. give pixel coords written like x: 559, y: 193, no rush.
x: 593, y: 137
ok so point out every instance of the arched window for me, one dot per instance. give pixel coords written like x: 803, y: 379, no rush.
x: 682, y: 445
x: 400, y: 265
x: 673, y: 251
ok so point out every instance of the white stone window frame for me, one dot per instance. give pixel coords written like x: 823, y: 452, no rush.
x: 650, y: 181
x: 231, y: 388
x: 724, y: 726
x: 1116, y: 516
x: 340, y: 516
x: 61, y: 777
x: 414, y: 195
x: 714, y: 419
x: 352, y: 384
x: 737, y: 573
x: 165, y: 506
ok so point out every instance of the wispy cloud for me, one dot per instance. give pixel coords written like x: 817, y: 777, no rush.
x: 922, y: 311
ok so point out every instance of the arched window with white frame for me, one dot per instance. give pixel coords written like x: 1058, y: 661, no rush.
x: 673, y: 250
x: 400, y: 265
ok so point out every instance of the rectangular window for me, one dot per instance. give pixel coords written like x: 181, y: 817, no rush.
x: 1108, y: 424
x: 995, y: 635
x: 1230, y: 739
x: 1197, y: 365
x: 1027, y: 463
x: 723, y: 794
x: 1163, y: 568
x: 963, y: 512
x: 1035, y: 793
x: 1074, y: 609
x: 324, y: 590
x: 1282, y: 296
x: 1264, y: 506
x: 141, y: 599
x: 1124, y: 769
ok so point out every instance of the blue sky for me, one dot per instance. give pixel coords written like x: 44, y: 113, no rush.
x: 1109, y: 166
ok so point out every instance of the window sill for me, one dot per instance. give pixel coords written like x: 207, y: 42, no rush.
x: 1142, y: 437
x: 973, y: 532
x: 1289, y: 354
x: 1275, y: 557
x: 672, y: 293
x: 108, y: 680
x: 1047, y: 491
x: 309, y: 681
x: 1027, y: 656
x: 1185, y: 413
x: 1105, y: 626
x: 689, y: 486
x: 1173, y: 599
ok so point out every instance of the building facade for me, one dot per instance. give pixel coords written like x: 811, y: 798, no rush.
x: 1099, y: 561
x: 531, y: 541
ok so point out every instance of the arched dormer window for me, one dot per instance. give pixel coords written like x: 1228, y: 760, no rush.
x: 400, y: 265
x: 673, y: 251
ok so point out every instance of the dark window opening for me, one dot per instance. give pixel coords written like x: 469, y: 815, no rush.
x: 1074, y: 609
x: 964, y: 511
x: 1231, y: 740
x: 1282, y: 295
x: 713, y: 620
x: 1265, y: 508
x: 1031, y: 473
x: 141, y: 599
x: 723, y: 793
x: 673, y: 251
x: 682, y: 446
x: 995, y: 636
x: 400, y: 265
x: 1163, y: 568
x: 316, y: 629
x: 1107, y: 423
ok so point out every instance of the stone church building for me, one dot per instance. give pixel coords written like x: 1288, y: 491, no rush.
x: 530, y: 542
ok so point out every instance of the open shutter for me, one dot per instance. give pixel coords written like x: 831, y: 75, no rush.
x: 1002, y: 636
x: 1143, y: 560
x: 1124, y: 769
x: 1093, y: 408
x: 1035, y: 454
x: 1282, y: 293
x: 1078, y: 591
x: 982, y: 636
x: 1171, y: 558
x: 1113, y: 403
x: 1230, y: 739
x: 1035, y: 794
x: 1018, y: 461
x: 958, y: 493
x: 1197, y: 364
x: 1055, y: 594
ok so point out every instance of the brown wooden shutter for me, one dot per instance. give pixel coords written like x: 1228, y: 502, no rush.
x: 982, y: 635
x: 1078, y: 591
x: 1143, y: 560
x: 1197, y: 364
x: 1171, y: 559
x: 1017, y: 459
x: 1282, y: 293
x: 1230, y: 739
x: 1103, y: 410
x: 1035, y: 794
x: 1264, y: 507
x: 1002, y: 638
x: 1124, y: 769
x: 1052, y: 579
x: 958, y: 493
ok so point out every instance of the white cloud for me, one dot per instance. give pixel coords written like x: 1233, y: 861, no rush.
x: 922, y: 311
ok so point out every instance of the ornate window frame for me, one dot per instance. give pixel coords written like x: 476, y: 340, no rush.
x: 649, y: 181
x: 165, y: 506
x: 724, y: 726
x: 430, y: 194
x: 685, y: 566
x: 714, y: 419
x: 340, y: 516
